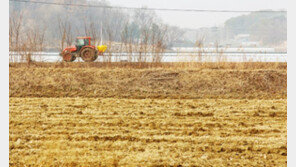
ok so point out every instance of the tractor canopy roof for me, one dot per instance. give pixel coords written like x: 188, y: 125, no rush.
x: 83, y: 37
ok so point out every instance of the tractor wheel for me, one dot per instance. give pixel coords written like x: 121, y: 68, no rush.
x: 68, y: 57
x: 89, y: 55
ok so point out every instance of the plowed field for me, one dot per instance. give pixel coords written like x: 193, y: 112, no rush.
x: 126, y: 132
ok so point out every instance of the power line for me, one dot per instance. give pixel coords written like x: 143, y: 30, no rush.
x: 155, y: 9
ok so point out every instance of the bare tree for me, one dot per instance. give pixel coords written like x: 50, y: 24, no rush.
x: 173, y: 35
x: 65, y: 32
x: 90, y: 29
x: 199, y: 43
x: 15, y: 28
x: 33, y: 42
x: 127, y: 41
x: 158, y: 39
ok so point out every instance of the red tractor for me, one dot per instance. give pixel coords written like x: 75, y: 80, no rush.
x: 83, y: 49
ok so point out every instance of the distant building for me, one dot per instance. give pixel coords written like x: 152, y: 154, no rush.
x: 250, y: 44
x: 282, y: 47
x: 243, y: 40
x: 242, y: 37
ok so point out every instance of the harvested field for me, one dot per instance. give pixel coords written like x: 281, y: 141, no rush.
x: 148, y: 132
x: 90, y: 114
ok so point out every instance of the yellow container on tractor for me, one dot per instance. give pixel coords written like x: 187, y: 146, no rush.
x: 101, y: 48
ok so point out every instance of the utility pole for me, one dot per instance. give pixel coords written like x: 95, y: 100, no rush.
x: 101, y: 43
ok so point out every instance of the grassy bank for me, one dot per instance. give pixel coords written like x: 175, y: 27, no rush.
x: 128, y: 80
x: 147, y: 65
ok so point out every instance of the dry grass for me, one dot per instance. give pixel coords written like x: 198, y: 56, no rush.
x: 147, y: 65
x: 147, y: 132
x: 159, y: 114
x: 267, y: 82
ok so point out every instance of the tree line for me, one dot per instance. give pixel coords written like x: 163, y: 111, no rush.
x: 38, y: 27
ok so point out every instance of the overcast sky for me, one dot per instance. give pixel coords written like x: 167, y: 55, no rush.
x: 197, y: 19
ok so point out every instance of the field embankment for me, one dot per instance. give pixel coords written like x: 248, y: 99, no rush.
x: 230, y: 81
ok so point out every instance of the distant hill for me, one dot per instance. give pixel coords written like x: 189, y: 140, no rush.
x: 267, y: 28
x: 270, y: 28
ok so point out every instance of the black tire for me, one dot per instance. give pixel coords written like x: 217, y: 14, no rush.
x: 68, y: 57
x: 88, y: 55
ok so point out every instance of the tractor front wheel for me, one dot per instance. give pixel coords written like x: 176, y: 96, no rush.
x: 89, y: 55
x: 68, y: 57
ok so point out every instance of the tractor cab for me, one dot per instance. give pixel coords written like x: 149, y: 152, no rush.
x: 81, y: 42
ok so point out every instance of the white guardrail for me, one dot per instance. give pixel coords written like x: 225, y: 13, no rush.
x: 184, y: 56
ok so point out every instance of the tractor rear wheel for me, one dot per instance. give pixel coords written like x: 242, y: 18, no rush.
x: 68, y: 57
x: 89, y: 55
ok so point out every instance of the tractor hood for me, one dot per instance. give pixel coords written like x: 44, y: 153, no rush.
x: 70, y: 49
